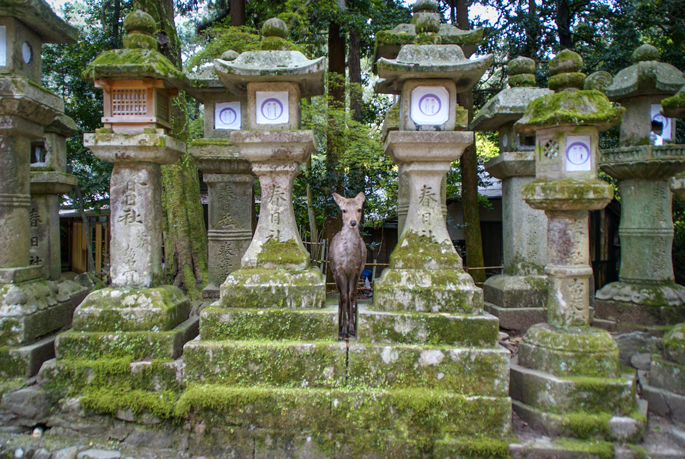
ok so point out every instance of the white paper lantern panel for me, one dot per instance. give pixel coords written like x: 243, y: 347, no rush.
x: 227, y: 115
x: 430, y: 105
x: 272, y: 107
x: 578, y: 153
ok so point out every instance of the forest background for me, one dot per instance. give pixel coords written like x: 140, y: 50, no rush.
x: 348, y: 118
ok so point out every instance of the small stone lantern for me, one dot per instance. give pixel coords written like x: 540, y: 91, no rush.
x: 519, y: 295
x: 32, y: 308
x: 137, y: 305
x: 555, y: 357
x: 230, y: 182
x: 646, y: 160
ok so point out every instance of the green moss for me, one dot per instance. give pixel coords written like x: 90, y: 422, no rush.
x: 139, y: 21
x: 428, y: 39
x: 566, y: 61
x: 135, y: 345
x: 674, y: 106
x: 582, y: 193
x: 138, y: 40
x: 258, y: 288
x: 590, y: 108
x: 593, y: 449
x: 131, y: 63
x: 566, y: 80
x: 12, y: 364
x: 275, y: 253
x: 587, y: 425
x: 210, y: 142
x: 111, y: 400
x: 474, y: 447
x: 522, y: 81
x: 416, y: 252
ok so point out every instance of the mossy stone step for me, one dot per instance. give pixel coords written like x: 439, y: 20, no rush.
x: 556, y: 394
x: 583, y: 425
x: 667, y: 375
x: 219, y: 323
x: 166, y: 345
x: 26, y: 360
x: 75, y: 377
x: 479, y: 330
x: 419, y: 412
x: 266, y: 363
x: 465, y: 371
x: 476, y: 447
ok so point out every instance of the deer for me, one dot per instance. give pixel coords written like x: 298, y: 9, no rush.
x: 347, y: 256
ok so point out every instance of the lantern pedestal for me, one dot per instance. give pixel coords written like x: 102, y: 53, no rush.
x: 646, y: 294
x: 231, y: 201
x: 137, y: 317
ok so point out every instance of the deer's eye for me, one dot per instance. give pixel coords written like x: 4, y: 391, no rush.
x: 359, y: 210
x: 344, y: 211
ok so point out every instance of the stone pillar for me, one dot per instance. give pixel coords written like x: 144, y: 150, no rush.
x: 231, y: 201
x: 646, y: 295
x: 556, y: 359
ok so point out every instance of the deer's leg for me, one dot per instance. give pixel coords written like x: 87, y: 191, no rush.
x: 351, y: 289
x: 340, y: 283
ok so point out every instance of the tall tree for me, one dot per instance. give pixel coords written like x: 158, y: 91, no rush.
x: 185, y: 240
x: 469, y: 176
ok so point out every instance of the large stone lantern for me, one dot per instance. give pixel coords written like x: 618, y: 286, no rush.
x: 518, y: 296
x: 646, y: 293
x: 32, y: 309
x: 138, y: 309
x: 228, y: 177
x: 564, y: 358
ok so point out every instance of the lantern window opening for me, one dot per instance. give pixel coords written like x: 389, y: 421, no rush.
x: 39, y: 153
x: 551, y: 149
x: 526, y: 142
x: 129, y: 102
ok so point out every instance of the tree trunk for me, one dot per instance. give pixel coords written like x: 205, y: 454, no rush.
x: 86, y: 230
x: 469, y: 178
x: 563, y: 21
x: 355, y: 69
x: 532, y: 31
x: 185, y: 237
x: 311, y: 214
x: 237, y: 13
x: 334, y: 141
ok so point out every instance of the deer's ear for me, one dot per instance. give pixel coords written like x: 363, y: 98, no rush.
x: 360, y: 197
x: 338, y: 199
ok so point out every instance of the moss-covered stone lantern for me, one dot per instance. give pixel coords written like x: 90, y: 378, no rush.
x: 646, y: 294
x: 565, y: 357
x: 229, y: 179
x: 32, y: 308
x: 138, y: 317
x: 518, y: 296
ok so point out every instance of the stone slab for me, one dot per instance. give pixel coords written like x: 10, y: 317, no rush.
x: 218, y: 323
x: 464, y: 371
x: 132, y: 310
x: 23, y: 274
x: 273, y: 288
x: 380, y: 327
x: 166, y: 345
x: 418, y: 411
x: 561, y: 395
x: 261, y: 363
x: 519, y: 319
x: 665, y: 403
x: 641, y: 305
x: 516, y: 291
x: 579, y: 425
x: 26, y: 360
x: 635, y: 342
x: 546, y: 448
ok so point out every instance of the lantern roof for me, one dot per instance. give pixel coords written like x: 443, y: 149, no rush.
x: 647, y: 76
x: 40, y: 18
x: 674, y: 106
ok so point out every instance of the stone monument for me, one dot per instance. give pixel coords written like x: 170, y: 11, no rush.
x: 137, y: 317
x: 646, y: 294
x: 566, y: 377
x: 31, y: 307
x: 228, y: 177
x: 519, y: 295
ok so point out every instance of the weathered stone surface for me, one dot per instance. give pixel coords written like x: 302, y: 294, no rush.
x: 667, y: 375
x: 585, y: 352
x: 641, y: 304
x: 218, y: 324
x: 429, y: 61
x: 598, y: 81
x: 636, y: 342
x: 38, y: 15
x: 456, y: 370
x: 30, y: 404
x: 665, y: 403
x: 565, y: 62
x: 640, y: 361
x: 647, y: 76
x: 506, y: 106
x: 149, y: 309
x: 674, y: 344
x: 517, y: 319
x: 511, y: 291
x: 273, y: 288
x: 94, y: 453
x: 424, y: 328
x: 65, y: 453
x: 26, y: 360
x: 561, y: 395
x: 280, y: 364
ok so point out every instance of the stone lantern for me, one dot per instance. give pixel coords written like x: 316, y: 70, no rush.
x: 518, y: 296
x: 137, y: 309
x: 228, y: 177
x: 32, y: 308
x: 564, y: 358
x: 646, y: 293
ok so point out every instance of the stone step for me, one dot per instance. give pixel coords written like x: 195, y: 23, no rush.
x: 296, y: 364
x: 466, y: 371
x: 479, y: 330
x: 449, y: 447
x: 518, y: 319
x: 219, y: 323
x: 667, y: 375
x: 556, y: 394
x: 416, y: 412
x: 24, y: 324
x: 167, y: 345
x: 26, y: 360
x: 665, y: 403
x: 567, y: 448
x: 584, y: 425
